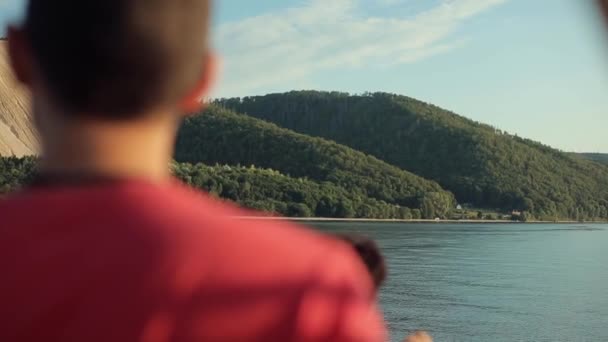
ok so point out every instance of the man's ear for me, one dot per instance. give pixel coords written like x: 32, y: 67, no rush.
x: 20, y: 56
x: 193, y: 102
x: 603, y: 7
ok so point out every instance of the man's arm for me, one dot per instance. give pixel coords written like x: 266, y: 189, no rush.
x: 340, y: 305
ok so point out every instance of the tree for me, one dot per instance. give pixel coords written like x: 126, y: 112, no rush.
x: 345, y: 209
x: 579, y: 216
x: 427, y: 209
x: 405, y: 213
x: 416, y: 214
x: 299, y: 210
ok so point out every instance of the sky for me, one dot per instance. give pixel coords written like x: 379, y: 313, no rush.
x: 535, y: 68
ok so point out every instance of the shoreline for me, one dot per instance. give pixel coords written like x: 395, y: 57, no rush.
x: 425, y: 221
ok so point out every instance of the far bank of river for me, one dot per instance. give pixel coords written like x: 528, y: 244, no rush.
x: 436, y: 221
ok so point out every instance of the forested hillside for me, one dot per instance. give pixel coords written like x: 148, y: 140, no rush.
x: 365, y: 156
x: 271, y: 191
x: 478, y: 163
x: 224, y: 137
x: 252, y: 187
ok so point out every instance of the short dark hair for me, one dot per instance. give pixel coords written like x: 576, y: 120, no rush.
x: 115, y: 58
x: 370, y: 254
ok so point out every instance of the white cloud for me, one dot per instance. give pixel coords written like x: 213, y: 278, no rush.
x: 283, y: 47
x: 388, y: 2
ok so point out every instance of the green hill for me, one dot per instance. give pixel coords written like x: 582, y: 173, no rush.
x: 224, y: 137
x: 481, y: 165
x: 601, y: 158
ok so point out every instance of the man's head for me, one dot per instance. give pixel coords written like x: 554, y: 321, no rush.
x: 114, y: 59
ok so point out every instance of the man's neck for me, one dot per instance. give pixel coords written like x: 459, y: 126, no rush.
x: 140, y: 149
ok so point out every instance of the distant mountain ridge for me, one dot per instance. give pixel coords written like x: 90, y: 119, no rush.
x: 480, y: 164
x: 224, y: 137
x: 601, y: 158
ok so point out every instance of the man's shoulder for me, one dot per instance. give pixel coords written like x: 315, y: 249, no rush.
x: 181, y: 221
x: 237, y: 243
x: 189, y: 243
x: 278, y: 261
x: 202, y: 215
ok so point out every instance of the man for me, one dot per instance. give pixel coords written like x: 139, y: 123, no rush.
x: 104, y: 246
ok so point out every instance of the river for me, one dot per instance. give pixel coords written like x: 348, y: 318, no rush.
x: 493, y: 282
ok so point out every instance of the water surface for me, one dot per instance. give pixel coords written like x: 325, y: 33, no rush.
x: 493, y: 282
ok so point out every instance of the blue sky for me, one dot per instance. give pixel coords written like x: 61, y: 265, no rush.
x: 537, y: 68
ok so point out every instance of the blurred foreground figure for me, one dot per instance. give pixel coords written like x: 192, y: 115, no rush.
x: 105, y: 246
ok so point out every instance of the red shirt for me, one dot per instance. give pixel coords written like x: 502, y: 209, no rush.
x: 132, y: 261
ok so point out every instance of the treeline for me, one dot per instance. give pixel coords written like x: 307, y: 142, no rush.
x: 484, y: 167
x: 271, y: 191
x: 224, y: 137
x: 15, y: 172
x: 262, y: 189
